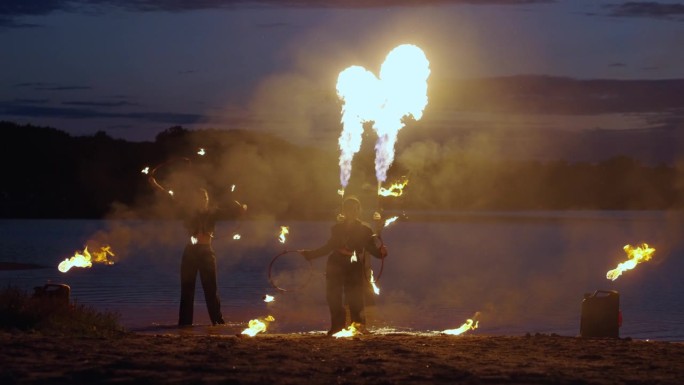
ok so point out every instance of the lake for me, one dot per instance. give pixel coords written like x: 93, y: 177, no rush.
x: 519, y: 272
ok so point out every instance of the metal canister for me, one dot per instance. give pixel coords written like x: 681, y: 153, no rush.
x: 601, y: 316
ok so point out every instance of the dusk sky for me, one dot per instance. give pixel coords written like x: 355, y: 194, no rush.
x: 133, y: 68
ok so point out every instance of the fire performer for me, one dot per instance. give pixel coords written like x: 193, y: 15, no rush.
x: 199, y: 219
x: 345, y: 277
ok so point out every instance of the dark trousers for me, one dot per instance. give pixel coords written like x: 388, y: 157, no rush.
x: 199, y: 259
x: 344, y: 284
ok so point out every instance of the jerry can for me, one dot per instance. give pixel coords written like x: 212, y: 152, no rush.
x: 601, y: 316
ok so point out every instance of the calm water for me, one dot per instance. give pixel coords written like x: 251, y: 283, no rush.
x: 524, y: 272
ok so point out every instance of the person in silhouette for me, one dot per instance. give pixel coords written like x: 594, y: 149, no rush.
x: 346, y: 248
x: 199, y: 221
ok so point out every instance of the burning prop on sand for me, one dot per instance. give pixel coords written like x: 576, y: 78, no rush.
x: 86, y: 258
x: 636, y: 255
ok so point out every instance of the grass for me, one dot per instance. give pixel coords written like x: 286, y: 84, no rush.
x: 54, y: 316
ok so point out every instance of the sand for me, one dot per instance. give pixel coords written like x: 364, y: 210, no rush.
x: 201, y: 356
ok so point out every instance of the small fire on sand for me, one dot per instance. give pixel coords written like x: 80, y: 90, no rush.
x: 86, y: 258
x: 257, y: 326
x: 350, y: 331
x: 468, y: 325
x: 636, y: 255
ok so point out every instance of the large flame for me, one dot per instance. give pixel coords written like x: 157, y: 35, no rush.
x: 636, y: 255
x: 403, y: 77
x: 400, y: 91
x: 360, y: 93
x: 258, y: 326
x: 468, y: 325
x: 86, y: 258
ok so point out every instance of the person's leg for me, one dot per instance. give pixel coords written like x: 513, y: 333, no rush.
x: 334, y: 286
x: 188, y: 275
x: 354, y: 287
x: 207, y: 270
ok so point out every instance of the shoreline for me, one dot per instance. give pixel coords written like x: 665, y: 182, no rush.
x: 395, y: 358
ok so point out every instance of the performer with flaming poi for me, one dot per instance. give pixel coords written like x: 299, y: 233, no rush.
x: 349, y: 239
x: 199, y: 219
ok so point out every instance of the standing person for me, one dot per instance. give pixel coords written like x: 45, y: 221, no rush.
x: 199, y: 220
x: 345, y: 276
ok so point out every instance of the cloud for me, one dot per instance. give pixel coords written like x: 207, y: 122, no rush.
x: 646, y: 9
x: 43, y: 86
x: 99, y: 104
x: 12, y: 9
x: 18, y: 109
x: 558, y: 95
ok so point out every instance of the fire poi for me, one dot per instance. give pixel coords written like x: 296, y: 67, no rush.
x: 86, y: 258
x: 636, y: 255
x: 282, y: 238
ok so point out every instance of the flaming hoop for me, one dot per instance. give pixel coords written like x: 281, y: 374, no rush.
x: 152, y: 173
x: 270, y: 274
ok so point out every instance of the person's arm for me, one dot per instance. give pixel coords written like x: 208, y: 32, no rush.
x: 326, y: 249
x: 373, y: 248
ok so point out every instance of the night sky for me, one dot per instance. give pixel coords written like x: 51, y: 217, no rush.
x: 133, y: 68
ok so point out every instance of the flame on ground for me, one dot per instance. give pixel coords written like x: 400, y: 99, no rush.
x: 236, y: 237
x: 146, y: 170
x: 269, y: 298
x: 468, y: 325
x: 353, y: 257
x: 86, y: 259
x: 350, y: 331
x: 636, y: 255
x: 201, y: 152
x: 258, y: 326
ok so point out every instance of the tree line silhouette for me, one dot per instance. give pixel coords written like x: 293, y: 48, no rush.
x: 51, y: 174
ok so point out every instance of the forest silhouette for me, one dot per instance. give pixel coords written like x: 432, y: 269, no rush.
x: 49, y: 173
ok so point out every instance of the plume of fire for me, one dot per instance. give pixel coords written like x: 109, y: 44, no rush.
x: 400, y: 91
x: 258, y: 326
x: 403, y: 76
x: 636, y: 255
x: 284, y: 230
x: 350, y: 331
x: 86, y: 259
x: 268, y: 298
x: 360, y: 93
x: 468, y: 325
x: 395, y: 190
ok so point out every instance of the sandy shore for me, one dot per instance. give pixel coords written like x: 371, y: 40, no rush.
x: 394, y: 358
